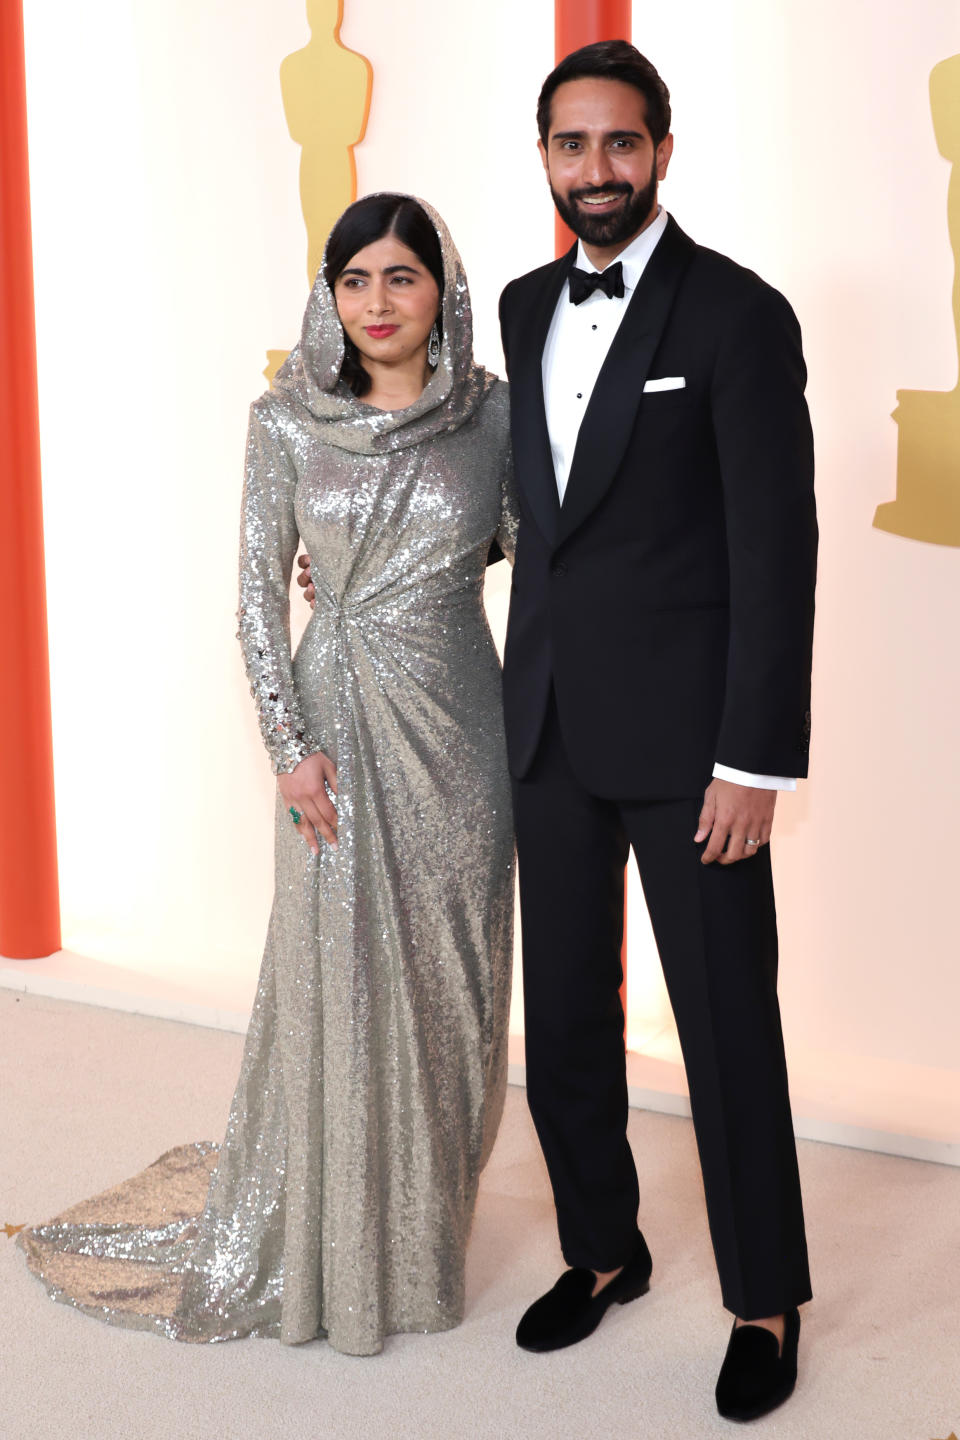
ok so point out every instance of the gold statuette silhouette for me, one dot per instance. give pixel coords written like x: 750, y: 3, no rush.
x: 927, y: 506
x: 326, y: 100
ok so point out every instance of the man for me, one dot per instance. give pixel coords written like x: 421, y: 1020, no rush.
x: 656, y: 690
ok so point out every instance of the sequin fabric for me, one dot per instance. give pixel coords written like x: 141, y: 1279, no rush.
x: 374, y: 1069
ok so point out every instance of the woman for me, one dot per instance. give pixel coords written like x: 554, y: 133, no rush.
x: 374, y: 1069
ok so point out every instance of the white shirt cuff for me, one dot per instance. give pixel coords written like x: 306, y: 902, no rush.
x: 758, y: 782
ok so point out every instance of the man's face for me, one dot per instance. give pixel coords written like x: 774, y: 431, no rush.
x: 601, y: 162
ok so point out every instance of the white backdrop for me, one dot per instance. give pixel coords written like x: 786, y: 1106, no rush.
x: 170, y: 255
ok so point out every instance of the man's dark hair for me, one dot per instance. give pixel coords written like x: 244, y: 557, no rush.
x: 610, y: 60
x: 360, y: 225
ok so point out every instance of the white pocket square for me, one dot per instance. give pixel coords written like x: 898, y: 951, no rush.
x: 668, y: 382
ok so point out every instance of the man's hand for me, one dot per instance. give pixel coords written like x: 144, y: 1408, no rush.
x: 732, y: 816
x: 308, y: 789
x: 304, y: 580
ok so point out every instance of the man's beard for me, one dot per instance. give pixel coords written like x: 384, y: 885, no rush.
x: 612, y: 229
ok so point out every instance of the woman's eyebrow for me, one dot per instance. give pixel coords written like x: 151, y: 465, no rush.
x: 387, y: 270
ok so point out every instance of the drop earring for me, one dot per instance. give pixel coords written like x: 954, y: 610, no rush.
x: 433, y: 347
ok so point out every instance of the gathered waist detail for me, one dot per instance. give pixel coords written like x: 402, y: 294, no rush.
x: 409, y: 605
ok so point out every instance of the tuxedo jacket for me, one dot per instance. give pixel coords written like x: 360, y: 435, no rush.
x: 669, y: 600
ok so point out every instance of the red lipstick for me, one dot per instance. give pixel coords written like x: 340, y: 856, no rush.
x: 380, y: 332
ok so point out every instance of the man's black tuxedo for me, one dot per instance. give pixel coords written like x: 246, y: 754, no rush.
x: 661, y: 620
x: 676, y: 581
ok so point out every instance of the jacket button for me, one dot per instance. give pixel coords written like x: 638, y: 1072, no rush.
x: 558, y: 568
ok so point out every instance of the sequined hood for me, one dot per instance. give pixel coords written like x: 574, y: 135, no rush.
x: 311, y: 372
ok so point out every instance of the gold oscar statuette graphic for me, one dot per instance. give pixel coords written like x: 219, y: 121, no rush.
x: 326, y: 100
x: 927, y: 506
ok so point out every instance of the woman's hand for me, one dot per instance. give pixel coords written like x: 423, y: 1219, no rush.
x: 308, y: 789
x: 305, y: 580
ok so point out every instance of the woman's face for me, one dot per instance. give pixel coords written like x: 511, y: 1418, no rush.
x: 387, y: 301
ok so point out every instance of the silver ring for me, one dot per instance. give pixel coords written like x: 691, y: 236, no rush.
x: 751, y: 842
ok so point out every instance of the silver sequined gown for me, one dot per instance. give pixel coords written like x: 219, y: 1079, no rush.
x: 375, y: 1063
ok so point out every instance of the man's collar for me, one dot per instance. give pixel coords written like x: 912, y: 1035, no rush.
x: 635, y: 256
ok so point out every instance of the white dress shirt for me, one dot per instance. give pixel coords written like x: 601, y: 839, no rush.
x: 575, y: 349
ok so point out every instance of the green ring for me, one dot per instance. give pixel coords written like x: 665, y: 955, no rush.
x: 297, y: 817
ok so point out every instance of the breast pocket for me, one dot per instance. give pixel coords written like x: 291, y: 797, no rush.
x: 668, y: 411
x: 663, y: 399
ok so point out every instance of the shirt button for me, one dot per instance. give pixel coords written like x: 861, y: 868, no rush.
x: 558, y: 568
x: 593, y: 327
x: 579, y: 394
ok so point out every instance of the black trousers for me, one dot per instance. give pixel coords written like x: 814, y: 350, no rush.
x: 716, y: 932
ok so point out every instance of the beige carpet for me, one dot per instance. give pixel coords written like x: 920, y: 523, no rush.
x: 88, y: 1096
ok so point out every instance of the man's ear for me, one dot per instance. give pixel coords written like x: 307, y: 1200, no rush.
x: 543, y: 158
x: 664, y: 152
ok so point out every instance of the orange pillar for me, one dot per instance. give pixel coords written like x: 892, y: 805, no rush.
x: 29, y: 897
x: 576, y: 23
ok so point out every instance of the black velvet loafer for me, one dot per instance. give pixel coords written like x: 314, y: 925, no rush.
x: 756, y: 1375
x: 570, y: 1311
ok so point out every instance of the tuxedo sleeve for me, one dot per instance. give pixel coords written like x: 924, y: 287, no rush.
x: 503, y: 311
x: 765, y: 449
x: 506, y: 541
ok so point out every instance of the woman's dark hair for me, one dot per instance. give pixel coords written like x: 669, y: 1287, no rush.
x: 610, y: 60
x: 362, y: 224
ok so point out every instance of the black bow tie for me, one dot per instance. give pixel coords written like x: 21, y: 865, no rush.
x: 584, y: 282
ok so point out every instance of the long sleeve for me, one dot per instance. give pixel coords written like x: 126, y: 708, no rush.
x: 765, y: 448
x: 268, y: 546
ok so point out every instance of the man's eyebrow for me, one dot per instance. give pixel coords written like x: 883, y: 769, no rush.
x: 609, y: 135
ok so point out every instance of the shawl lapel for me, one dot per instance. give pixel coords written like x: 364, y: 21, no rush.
x: 533, y: 461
